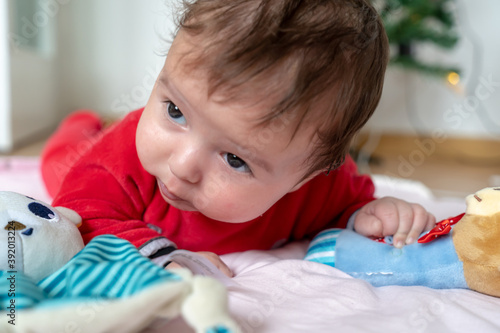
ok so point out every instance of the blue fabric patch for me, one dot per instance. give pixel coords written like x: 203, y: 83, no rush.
x: 218, y: 329
x: 108, y: 267
x: 322, y: 247
x: 433, y: 264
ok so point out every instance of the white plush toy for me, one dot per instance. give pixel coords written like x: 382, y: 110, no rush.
x: 48, y: 279
x: 31, y: 230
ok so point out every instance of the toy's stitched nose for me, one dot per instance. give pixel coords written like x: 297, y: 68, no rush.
x: 28, y: 232
x: 14, y: 225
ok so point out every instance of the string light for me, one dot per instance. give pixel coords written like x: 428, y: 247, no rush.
x: 453, y: 78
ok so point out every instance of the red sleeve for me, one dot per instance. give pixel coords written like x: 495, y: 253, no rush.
x: 353, y: 189
x: 109, y: 188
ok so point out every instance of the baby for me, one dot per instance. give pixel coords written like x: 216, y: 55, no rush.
x: 243, y: 143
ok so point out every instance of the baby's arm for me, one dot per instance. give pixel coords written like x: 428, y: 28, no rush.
x: 391, y: 216
x: 213, y: 258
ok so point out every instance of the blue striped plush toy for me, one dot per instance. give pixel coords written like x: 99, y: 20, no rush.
x: 50, y: 282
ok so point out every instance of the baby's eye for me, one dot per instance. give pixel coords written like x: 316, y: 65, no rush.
x: 175, y: 114
x: 236, y: 163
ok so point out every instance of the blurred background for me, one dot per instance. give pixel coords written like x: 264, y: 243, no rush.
x: 438, y: 121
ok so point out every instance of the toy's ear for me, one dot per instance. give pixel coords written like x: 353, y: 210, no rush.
x: 71, y: 215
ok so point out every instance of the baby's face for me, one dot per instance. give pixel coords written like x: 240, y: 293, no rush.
x: 209, y: 156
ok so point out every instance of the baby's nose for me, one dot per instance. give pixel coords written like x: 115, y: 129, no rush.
x: 186, y: 164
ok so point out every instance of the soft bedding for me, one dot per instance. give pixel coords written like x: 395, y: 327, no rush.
x: 276, y: 291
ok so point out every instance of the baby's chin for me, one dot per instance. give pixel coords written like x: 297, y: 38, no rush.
x: 184, y: 206
x: 223, y: 216
x: 180, y: 204
x: 212, y: 210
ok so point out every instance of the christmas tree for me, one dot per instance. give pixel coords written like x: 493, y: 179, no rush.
x: 409, y: 22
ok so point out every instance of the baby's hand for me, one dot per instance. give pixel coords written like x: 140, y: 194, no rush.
x: 213, y: 258
x: 390, y: 216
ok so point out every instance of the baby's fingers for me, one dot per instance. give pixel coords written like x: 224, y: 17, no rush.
x: 412, y: 225
x: 368, y: 225
x: 217, y: 261
x: 406, y: 217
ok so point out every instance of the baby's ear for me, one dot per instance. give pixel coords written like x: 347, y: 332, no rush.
x: 70, y: 214
x: 299, y: 185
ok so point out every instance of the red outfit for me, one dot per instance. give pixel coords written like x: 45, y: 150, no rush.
x: 112, y: 192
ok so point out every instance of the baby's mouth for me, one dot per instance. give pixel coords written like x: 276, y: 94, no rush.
x: 175, y: 200
x: 165, y: 191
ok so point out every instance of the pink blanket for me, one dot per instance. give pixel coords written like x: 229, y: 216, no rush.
x: 22, y: 174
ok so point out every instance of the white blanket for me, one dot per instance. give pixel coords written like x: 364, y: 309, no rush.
x: 276, y: 291
x: 277, y: 295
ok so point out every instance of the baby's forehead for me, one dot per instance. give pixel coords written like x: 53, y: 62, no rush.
x: 263, y: 99
x: 236, y: 81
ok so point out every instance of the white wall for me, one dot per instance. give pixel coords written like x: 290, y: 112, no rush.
x: 5, y: 120
x: 111, y: 52
x: 108, y: 56
x: 35, y: 105
x: 414, y: 103
x: 101, y: 55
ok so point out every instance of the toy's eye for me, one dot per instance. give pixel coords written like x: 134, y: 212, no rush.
x: 41, y: 211
x: 388, y: 240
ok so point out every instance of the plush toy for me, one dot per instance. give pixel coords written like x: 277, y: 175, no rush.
x: 468, y: 257
x: 31, y: 230
x: 51, y: 282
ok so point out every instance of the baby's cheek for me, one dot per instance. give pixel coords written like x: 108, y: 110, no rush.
x: 231, y: 208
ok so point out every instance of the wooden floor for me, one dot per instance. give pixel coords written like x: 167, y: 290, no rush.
x: 455, y: 167
x: 452, y: 167
x: 29, y: 150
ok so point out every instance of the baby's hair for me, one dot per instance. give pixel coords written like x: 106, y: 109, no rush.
x: 331, y: 53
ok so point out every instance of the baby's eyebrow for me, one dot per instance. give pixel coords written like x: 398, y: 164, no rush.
x: 163, y: 79
x: 262, y: 163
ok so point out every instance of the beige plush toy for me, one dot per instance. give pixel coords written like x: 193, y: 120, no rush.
x: 477, y: 241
